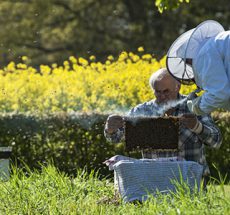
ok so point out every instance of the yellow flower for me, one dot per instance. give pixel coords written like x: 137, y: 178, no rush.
x: 83, y: 61
x: 135, y: 58
x: 45, y: 70
x: 73, y: 59
x: 92, y: 58
x: 123, y: 56
x: 147, y: 57
x: 140, y: 49
x: 109, y: 86
x: 21, y: 66
x: 110, y: 57
x: 24, y: 58
x: 107, y: 62
x: 66, y: 63
x: 54, y: 65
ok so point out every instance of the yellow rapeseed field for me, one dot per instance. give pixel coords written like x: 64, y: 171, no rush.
x: 80, y: 84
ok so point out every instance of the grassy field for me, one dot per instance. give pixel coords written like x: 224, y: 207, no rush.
x: 52, y: 192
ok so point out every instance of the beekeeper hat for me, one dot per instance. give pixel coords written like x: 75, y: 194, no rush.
x: 187, y: 46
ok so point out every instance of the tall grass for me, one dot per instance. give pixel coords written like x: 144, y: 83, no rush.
x: 52, y: 192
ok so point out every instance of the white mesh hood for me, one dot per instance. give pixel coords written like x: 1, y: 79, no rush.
x: 187, y: 46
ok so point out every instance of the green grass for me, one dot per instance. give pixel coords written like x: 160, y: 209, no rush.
x: 52, y: 192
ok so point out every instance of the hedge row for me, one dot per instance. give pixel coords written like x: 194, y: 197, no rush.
x: 74, y: 141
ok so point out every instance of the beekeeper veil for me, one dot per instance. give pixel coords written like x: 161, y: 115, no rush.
x: 186, y: 47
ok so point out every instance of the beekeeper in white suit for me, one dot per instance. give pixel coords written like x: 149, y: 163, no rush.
x: 202, y: 56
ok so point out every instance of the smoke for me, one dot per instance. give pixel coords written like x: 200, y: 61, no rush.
x: 133, y: 119
x: 169, y: 105
x: 140, y: 114
x: 88, y: 120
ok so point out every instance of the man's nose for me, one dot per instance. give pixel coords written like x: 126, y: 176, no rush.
x: 163, y: 96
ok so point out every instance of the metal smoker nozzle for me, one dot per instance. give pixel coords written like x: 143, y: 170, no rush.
x: 193, y: 95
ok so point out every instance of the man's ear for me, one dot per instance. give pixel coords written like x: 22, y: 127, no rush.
x: 178, y: 87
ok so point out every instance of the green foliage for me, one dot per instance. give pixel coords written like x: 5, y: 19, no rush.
x: 51, y: 192
x: 168, y: 4
x: 52, y: 30
x: 220, y: 159
x: 70, y: 141
x: 75, y: 141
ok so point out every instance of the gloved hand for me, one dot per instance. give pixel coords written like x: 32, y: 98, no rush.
x: 193, y: 106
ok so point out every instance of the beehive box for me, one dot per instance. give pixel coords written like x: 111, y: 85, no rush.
x: 155, y: 133
x: 5, y: 153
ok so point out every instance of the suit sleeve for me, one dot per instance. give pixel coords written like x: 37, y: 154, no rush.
x: 214, y: 81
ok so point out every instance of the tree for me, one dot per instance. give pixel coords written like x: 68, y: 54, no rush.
x: 52, y: 30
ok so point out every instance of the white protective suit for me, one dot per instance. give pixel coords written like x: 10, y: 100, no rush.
x: 208, y: 45
x: 211, y: 69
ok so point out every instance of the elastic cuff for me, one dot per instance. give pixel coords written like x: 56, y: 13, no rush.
x: 197, y: 128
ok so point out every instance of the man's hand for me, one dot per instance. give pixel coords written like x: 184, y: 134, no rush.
x: 169, y: 112
x: 113, y: 123
x: 190, y: 121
